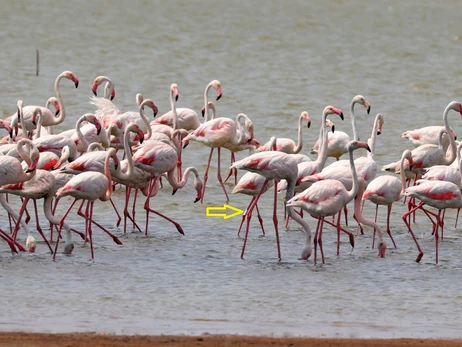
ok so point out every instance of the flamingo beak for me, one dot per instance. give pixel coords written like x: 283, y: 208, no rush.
x: 341, y: 115
x: 113, y: 95
x: 196, y: 199
x: 174, y: 191
x: 308, y: 125
x: 203, y: 111
x: 368, y: 148
x: 95, y: 93
x: 333, y: 129
x: 155, y: 110
x: 219, y: 93
x: 368, y: 108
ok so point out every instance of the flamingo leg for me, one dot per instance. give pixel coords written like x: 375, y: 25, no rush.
x: 134, y: 208
x: 243, y: 217
x: 260, y: 219
x: 231, y: 171
x: 338, y: 235
x: 350, y: 234
x: 250, y: 208
x: 149, y: 209
x: 388, y: 225
x: 206, y: 174
x: 345, y: 210
x: 437, y: 235
x: 39, y: 229
x: 404, y: 217
x: 8, y: 240
x: 375, y: 221
x: 457, y: 218
x: 315, y: 240
x: 119, y: 219
x: 275, y: 218
x: 320, y: 238
x: 219, y: 176
x: 89, y: 213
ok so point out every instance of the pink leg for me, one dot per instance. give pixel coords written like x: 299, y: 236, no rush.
x: 249, y: 215
x: 231, y: 171
x: 388, y: 225
x: 457, y: 218
x: 243, y: 217
x: 315, y: 241
x: 338, y: 235
x: 375, y: 221
x: 89, y: 213
x: 148, y: 209
x: 275, y: 218
x: 134, y: 208
x: 320, y: 239
x: 260, y: 219
x: 8, y: 240
x: 404, y: 217
x: 350, y: 235
x: 39, y: 229
x: 219, y: 176
x: 345, y: 209
x: 119, y: 219
x: 437, y: 235
x: 206, y: 175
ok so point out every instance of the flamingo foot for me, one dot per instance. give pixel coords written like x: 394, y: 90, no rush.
x: 382, y: 249
x: 419, y: 257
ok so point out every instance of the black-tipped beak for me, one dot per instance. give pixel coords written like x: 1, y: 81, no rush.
x: 196, y: 200
x: 11, y: 133
x: 368, y: 148
x: 95, y: 93
x: 174, y: 191
x: 410, y: 167
x: 379, y: 132
x: 176, y: 97
x: 77, y: 84
x: 219, y: 97
x: 203, y: 112
x: 112, y: 97
x: 369, y: 110
x: 34, y: 123
x: 154, y: 114
x: 116, y: 166
x: 333, y: 129
x: 57, y: 112
x: 29, y: 170
x: 308, y: 125
x: 185, y: 145
x: 341, y: 115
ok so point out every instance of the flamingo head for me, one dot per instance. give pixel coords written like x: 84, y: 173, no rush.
x: 382, y: 248
x: 72, y: 77
x: 68, y: 247
x: 174, y: 91
x: 362, y: 100
x: 37, y: 114
x: 53, y: 101
x: 185, y: 143
x: 307, y: 118
x: 113, y: 94
x: 34, y: 157
x: 352, y: 145
x: 333, y: 110
x: 91, y: 118
x: 140, y: 134
x: 329, y: 124
x: 6, y: 127
x: 217, y: 85
x: 306, y: 252
x: 380, y: 122
x: 31, y: 245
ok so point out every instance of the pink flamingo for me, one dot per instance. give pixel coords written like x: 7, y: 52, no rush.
x: 273, y: 165
x: 49, y: 119
x: 109, y: 91
x: 251, y: 184
x: 386, y: 190
x: 216, y: 133
x: 287, y: 145
x: 89, y: 186
x: 427, y: 135
x: 338, y: 141
x: 212, y: 84
x: 178, y: 118
x: 328, y: 197
x: 437, y: 194
x: 157, y: 158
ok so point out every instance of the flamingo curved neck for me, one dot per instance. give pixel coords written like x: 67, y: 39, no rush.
x: 145, y: 119
x: 82, y: 138
x: 107, y: 173
x: 62, y: 111
x: 355, y: 187
x: 353, y: 120
x: 299, y: 145
x: 452, y: 155
x: 174, y: 113
x: 128, y: 174
x: 371, y: 154
x: 206, y: 101
x: 322, y: 156
x: 180, y: 184
x: 406, y: 155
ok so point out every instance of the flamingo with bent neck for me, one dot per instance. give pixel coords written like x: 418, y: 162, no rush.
x: 339, y: 140
x: 109, y: 91
x: 287, y: 145
x: 215, y: 84
x: 386, y: 190
x: 216, y: 133
x: 89, y: 186
x: 327, y: 198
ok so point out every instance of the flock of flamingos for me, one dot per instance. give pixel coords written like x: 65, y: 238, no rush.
x: 109, y: 146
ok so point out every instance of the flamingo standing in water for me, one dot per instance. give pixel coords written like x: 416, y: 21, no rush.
x: 89, y: 186
x: 216, y: 133
x: 386, y: 190
x: 287, y: 145
x: 338, y: 141
x: 273, y: 165
x: 328, y: 197
x: 427, y: 135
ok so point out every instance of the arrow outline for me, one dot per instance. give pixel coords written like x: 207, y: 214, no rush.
x: 209, y: 211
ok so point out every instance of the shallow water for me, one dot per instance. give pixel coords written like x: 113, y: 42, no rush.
x: 274, y: 59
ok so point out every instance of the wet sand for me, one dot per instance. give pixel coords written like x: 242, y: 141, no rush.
x: 18, y: 339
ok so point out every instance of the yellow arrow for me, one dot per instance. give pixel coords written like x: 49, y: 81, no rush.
x: 214, y: 211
